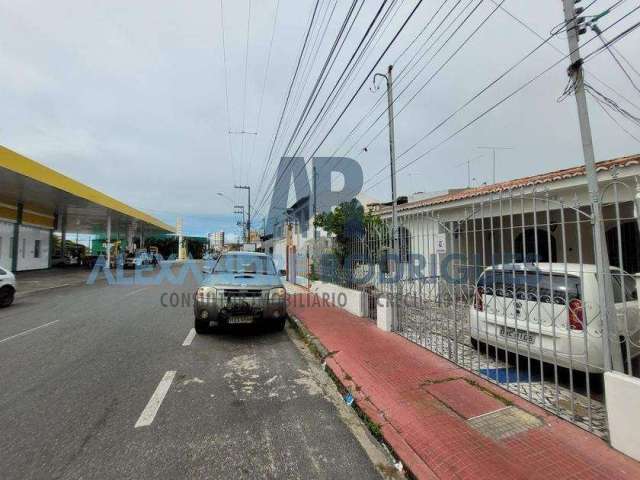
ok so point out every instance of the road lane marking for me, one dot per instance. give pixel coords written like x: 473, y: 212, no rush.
x: 28, y: 331
x: 189, y: 339
x: 44, y: 289
x: 135, y: 291
x: 149, y: 412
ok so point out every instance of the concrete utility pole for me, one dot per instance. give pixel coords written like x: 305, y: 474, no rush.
x: 248, y: 189
x: 610, y: 340
x: 493, y: 149
x: 315, y: 203
x: 240, y: 209
x: 392, y: 160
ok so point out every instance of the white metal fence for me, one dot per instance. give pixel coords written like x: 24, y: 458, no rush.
x: 507, y: 286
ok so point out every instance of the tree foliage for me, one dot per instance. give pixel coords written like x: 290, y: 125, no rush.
x: 347, y: 222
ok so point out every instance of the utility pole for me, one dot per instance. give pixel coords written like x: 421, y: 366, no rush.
x: 315, y: 203
x: 493, y: 149
x: 240, y: 209
x: 612, y: 353
x: 248, y: 189
x: 392, y: 161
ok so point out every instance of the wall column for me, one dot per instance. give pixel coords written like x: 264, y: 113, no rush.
x: 16, y: 238
x: 51, y: 238
x: 108, y: 263
x: 63, y: 236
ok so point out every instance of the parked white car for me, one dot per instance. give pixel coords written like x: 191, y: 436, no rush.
x: 7, y: 287
x: 552, y: 313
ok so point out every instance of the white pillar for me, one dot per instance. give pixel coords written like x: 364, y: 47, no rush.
x: 108, y: 264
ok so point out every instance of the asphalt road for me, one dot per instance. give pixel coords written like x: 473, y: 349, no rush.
x: 81, y: 366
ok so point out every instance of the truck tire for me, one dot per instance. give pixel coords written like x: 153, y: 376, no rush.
x: 201, y: 326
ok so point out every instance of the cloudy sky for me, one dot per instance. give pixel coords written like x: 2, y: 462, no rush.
x: 136, y: 98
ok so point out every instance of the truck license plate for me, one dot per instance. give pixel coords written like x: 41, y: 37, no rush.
x: 240, y: 319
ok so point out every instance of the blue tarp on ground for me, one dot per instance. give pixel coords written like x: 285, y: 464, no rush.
x: 508, y: 375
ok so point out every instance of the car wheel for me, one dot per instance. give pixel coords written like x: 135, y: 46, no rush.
x: 201, y: 326
x: 7, y: 294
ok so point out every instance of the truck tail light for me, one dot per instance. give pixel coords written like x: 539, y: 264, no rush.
x: 576, y: 315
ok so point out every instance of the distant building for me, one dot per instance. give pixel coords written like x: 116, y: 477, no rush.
x: 216, y: 240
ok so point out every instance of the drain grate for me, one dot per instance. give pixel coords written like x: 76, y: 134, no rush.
x: 504, y: 423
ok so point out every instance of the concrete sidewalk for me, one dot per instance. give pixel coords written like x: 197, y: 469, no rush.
x: 443, y: 421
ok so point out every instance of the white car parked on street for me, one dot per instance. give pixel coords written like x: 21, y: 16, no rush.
x: 552, y: 313
x: 7, y: 287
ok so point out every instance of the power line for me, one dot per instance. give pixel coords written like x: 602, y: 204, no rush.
x: 465, y: 41
x: 545, y: 41
x: 404, y: 24
x: 321, y: 78
x: 264, y: 81
x: 610, y: 50
x: 403, y: 73
x: 532, y: 31
x: 244, y: 93
x: 311, y: 60
x: 307, y: 63
x: 226, y: 91
x: 348, y: 64
x: 436, y: 72
x: 358, y: 64
x: 604, y: 109
x: 504, y: 99
x: 293, y: 78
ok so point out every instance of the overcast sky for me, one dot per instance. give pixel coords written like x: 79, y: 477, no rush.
x: 129, y: 97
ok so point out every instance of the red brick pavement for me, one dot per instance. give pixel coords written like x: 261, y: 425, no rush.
x: 423, y: 401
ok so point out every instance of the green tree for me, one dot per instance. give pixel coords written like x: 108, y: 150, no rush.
x: 348, y: 222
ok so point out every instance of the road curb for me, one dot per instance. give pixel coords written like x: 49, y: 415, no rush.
x: 373, y: 417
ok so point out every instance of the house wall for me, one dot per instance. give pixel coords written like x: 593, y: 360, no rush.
x: 28, y: 257
x: 560, y: 209
x: 6, y: 233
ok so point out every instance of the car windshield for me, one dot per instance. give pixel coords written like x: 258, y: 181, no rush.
x: 255, y: 264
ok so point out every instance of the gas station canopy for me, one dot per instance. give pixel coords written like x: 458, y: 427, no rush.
x: 45, y: 195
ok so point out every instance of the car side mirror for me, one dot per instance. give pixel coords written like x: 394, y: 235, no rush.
x: 282, y: 272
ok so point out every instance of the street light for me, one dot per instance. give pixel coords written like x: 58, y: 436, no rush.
x: 225, y: 197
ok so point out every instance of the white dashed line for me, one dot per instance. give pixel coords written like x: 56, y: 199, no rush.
x: 150, y: 411
x: 28, y: 331
x: 189, y: 339
x: 135, y: 291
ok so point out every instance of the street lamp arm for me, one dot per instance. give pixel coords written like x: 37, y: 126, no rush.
x: 375, y: 86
